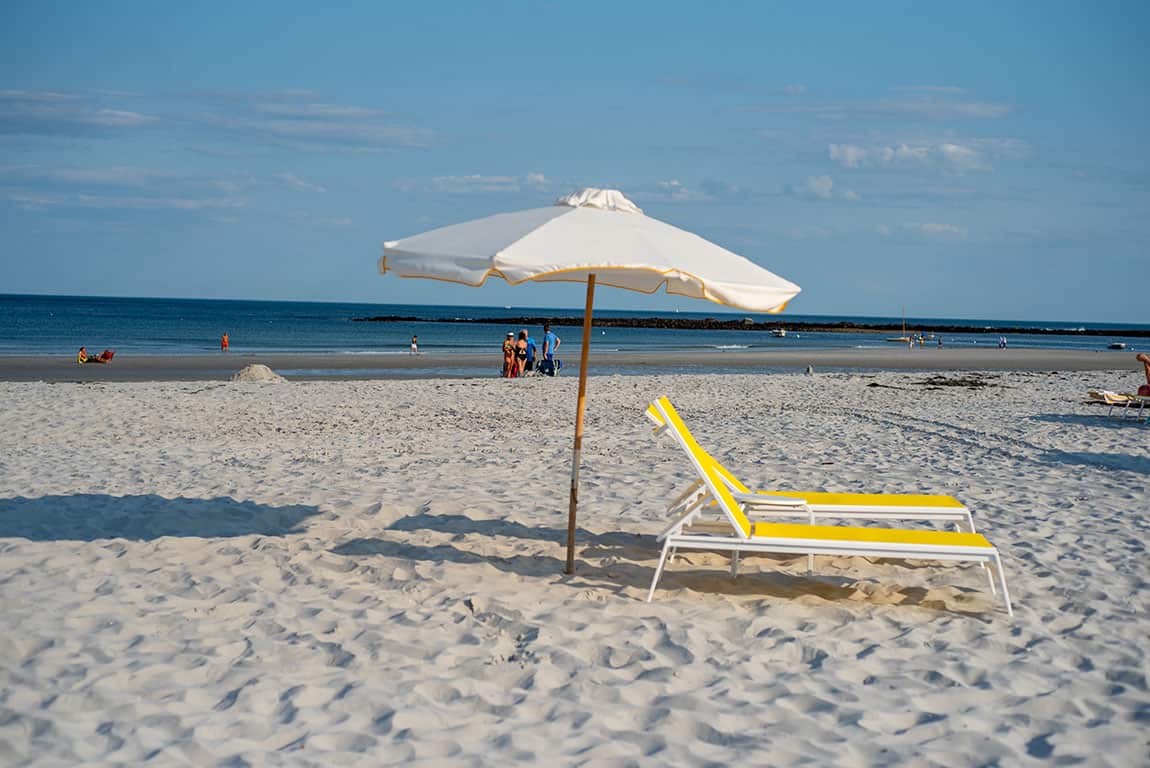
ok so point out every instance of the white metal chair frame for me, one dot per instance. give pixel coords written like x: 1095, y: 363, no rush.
x: 690, y: 504
x: 756, y: 504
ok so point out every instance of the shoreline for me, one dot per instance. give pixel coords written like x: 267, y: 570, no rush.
x: 293, y: 365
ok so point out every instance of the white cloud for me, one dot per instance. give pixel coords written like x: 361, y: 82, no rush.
x: 292, y: 181
x: 940, y: 230
x: 28, y: 201
x: 820, y: 188
x: 929, y: 230
x: 952, y: 157
x: 326, y: 134
x: 293, y: 119
x: 809, y: 233
x: 927, y: 108
x: 159, y: 203
x: 953, y: 90
x: 476, y: 183
x: 312, y: 111
x: 323, y: 221
x: 678, y: 191
x: 108, y: 176
x: 70, y: 114
x: 717, y: 189
x: 674, y: 190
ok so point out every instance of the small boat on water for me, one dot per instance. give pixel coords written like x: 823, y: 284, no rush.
x: 1117, y: 345
x: 779, y: 333
x: 904, y: 339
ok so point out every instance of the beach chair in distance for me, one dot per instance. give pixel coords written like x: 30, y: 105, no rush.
x: 742, y: 535
x: 813, y: 505
x: 1127, y: 404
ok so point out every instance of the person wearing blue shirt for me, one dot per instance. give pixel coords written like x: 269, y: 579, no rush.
x: 531, y: 347
x: 550, y: 343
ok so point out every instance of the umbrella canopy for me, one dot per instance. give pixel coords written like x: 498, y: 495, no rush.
x: 596, y: 232
x: 594, y: 235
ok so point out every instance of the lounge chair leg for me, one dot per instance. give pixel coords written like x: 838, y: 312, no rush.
x: 990, y: 577
x: 970, y: 522
x: 1002, y: 580
x: 734, y: 563
x: 671, y: 557
x: 810, y: 564
x: 659, y: 570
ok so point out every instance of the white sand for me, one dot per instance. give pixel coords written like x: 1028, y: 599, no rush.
x: 366, y: 573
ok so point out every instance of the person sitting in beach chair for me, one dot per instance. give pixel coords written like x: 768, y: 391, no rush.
x: 1144, y: 390
x: 104, y: 357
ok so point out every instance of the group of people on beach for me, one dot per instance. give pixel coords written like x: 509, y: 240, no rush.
x: 104, y: 357
x: 522, y: 355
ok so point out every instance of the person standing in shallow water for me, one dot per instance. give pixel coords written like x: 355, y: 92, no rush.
x: 224, y: 342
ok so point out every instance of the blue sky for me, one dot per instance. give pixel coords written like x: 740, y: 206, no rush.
x: 959, y: 160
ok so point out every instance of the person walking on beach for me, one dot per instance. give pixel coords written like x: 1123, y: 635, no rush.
x: 415, y: 345
x: 509, y: 355
x: 1144, y: 358
x: 224, y: 342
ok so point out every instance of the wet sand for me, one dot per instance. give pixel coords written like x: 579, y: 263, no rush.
x: 128, y: 367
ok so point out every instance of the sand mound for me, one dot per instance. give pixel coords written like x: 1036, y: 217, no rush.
x: 257, y: 372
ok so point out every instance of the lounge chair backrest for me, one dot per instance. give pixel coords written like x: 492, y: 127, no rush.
x: 657, y: 419
x: 706, y: 466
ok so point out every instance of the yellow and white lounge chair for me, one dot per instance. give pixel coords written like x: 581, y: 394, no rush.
x: 1129, y: 404
x: 810, y: 505
x: 791, y: 538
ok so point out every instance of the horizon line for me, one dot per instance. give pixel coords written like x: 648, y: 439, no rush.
x: 576, y: 311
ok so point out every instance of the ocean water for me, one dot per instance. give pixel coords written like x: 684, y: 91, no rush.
x: 58, y: 325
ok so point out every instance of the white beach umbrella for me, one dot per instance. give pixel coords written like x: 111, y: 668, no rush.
x: 592, y: 236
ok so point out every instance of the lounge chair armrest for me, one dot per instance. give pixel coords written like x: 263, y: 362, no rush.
x: 761, y: 501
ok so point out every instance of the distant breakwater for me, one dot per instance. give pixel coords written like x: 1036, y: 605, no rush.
x: 749, y: 324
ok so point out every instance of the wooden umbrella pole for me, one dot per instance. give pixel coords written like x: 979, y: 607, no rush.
x: 575, y: 457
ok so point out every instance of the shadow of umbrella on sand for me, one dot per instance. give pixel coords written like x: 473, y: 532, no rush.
x: 591, y: 236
